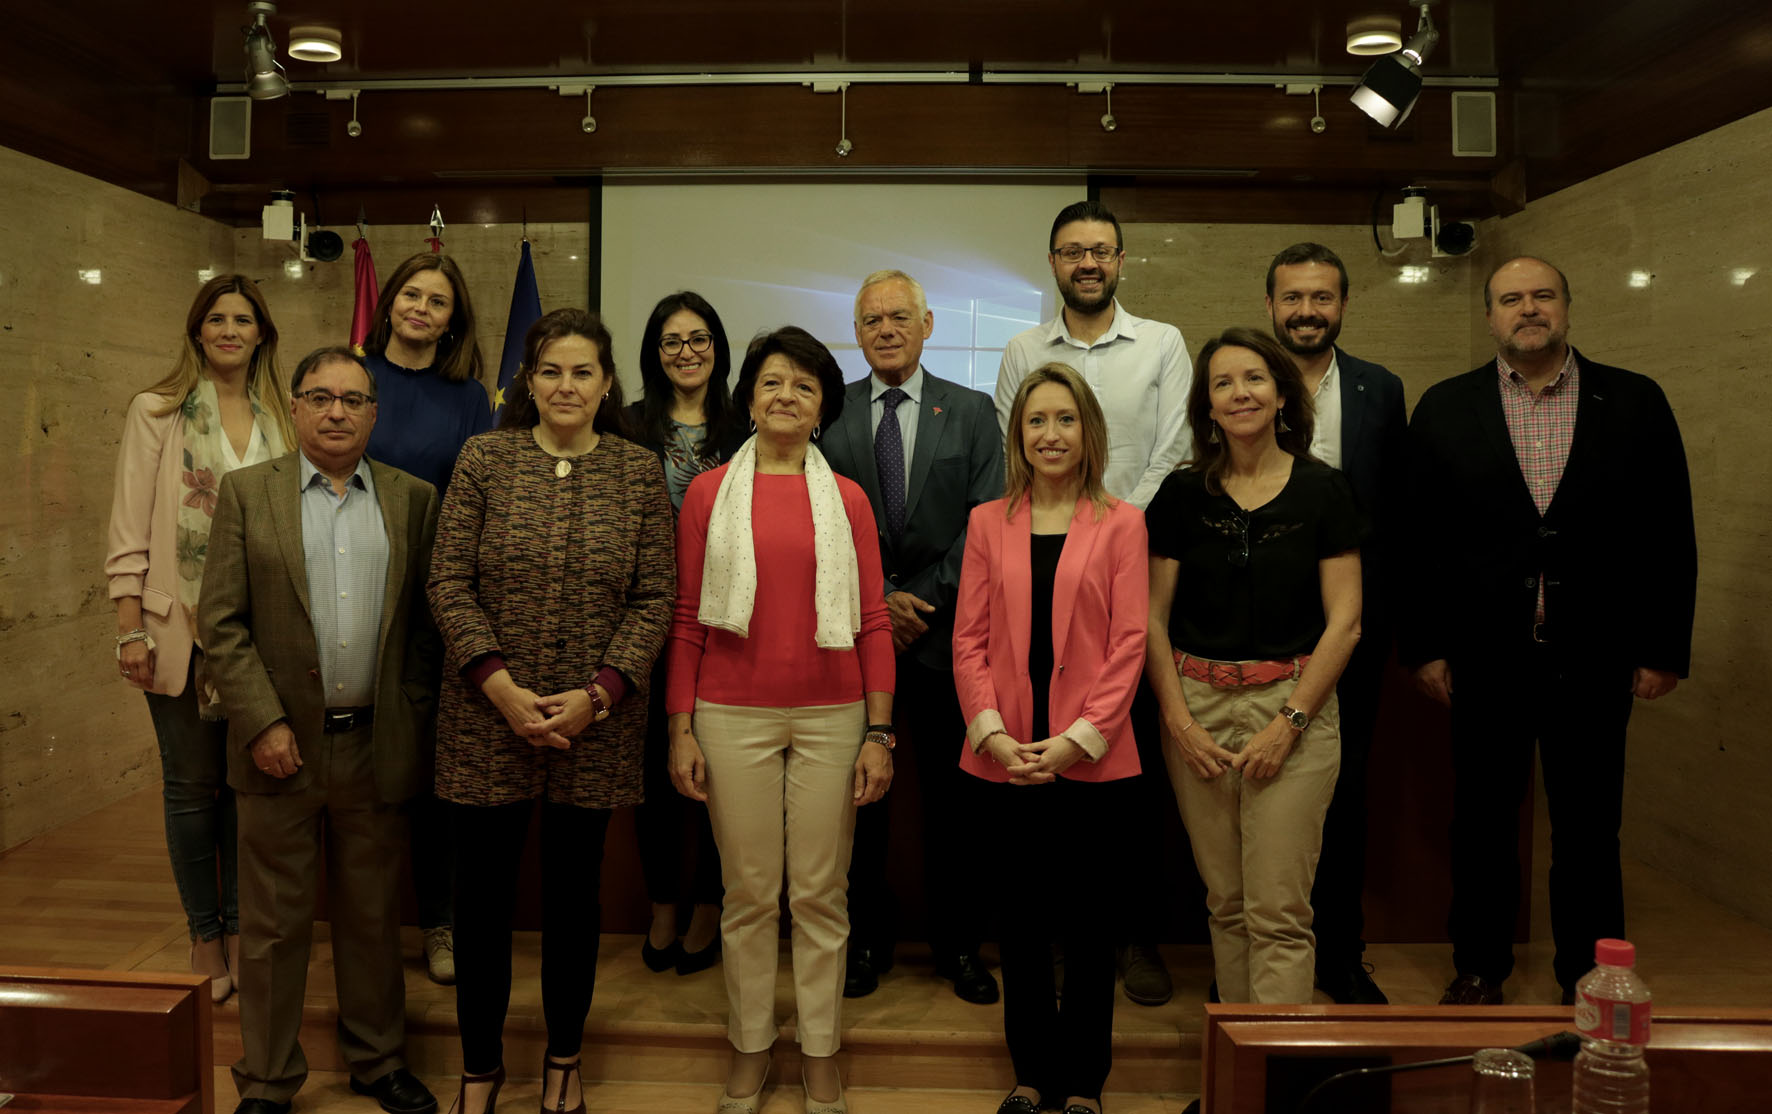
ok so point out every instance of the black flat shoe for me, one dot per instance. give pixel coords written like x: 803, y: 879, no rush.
x: 1018, y: 1104
x: 973, y: 981
x: 688, y: 962
x: 862, y: 975
x: 661, y: 959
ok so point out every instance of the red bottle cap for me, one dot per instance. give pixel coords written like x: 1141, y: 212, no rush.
x: 1615, y: 953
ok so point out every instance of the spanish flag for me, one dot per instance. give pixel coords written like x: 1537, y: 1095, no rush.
x: 363, y: 315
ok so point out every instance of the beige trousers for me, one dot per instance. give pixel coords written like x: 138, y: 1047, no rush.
x: 781, y: 785
x: 1256, y: 842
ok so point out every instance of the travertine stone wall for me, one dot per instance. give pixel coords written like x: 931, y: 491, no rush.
x: 1670, y: 260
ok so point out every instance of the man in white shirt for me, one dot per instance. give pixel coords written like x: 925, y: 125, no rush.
x: 1138, y: 369
x: 1360, y: 429
x: 1140, y: 373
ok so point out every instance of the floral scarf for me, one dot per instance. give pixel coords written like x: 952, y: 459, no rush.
x: 203, y: 466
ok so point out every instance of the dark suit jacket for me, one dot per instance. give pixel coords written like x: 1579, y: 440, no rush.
x: 956, y: 464
x: 1616, y: 546
x: 1374, y: 437
x: 259, y: 637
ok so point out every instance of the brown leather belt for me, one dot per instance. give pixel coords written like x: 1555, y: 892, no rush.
x: 1237, y: 674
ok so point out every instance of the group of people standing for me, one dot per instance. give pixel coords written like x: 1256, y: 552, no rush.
x: 357, y: 610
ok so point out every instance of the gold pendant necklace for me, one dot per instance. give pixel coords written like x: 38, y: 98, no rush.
x: 563, y: 468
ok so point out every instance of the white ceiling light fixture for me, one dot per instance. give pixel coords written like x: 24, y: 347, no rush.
x: 316, y: 44
x: 1393, y: 84
x: 264, y: 77
x: 1372, y: 35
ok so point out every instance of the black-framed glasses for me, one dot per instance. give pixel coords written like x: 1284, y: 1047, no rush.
x: 320, y: 400
x: 671, y: 344
x: 1074, y: 253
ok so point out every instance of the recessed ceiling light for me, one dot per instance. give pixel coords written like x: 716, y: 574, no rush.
x: 1374, y: 35
x: 316, y: 44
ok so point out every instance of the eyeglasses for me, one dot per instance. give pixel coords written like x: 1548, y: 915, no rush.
x: 671, y: 343
x: 320, y: 400
x: 1073, y: 253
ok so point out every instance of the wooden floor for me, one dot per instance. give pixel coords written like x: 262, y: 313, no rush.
x: 99, y: 893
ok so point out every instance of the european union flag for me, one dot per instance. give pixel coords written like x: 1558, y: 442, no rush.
x: 525, y: 312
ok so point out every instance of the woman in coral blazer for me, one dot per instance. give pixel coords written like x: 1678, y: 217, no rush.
x: 1048, y: 645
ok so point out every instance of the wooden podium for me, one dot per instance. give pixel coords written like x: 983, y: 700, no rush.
x: 1265, y: 1059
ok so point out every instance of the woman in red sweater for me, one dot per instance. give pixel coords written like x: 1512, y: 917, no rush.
x: 780, y: 700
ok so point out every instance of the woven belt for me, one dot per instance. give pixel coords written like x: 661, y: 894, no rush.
x: 1237, y: 674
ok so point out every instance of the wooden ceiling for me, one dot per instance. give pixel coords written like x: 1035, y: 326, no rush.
x: 121, y: 90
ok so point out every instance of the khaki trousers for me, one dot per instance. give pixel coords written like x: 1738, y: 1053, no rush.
x: 781, y: 787
x: 281, y: 841
x: 1256, y: 842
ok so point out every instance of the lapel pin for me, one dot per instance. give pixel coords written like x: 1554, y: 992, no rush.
x: 936, y: 409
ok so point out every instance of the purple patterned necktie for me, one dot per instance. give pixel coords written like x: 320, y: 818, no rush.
x: 889, y: 459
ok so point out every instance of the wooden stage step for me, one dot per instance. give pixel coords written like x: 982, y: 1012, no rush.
x: 665, y: 1028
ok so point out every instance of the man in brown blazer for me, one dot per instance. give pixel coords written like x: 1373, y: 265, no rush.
x: 317, y: 636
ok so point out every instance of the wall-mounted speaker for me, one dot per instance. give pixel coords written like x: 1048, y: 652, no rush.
x: 230, y: 127
x: 1473, y: 125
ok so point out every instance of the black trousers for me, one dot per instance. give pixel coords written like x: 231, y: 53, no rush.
x: 1055, y: 863
x: 1340, y: 922
x: 433, y: 860
x: 927, y: 715
x: 1152, y: 805
x: 668, y: 824
x: 1576, y: 712
x: 489, y: 848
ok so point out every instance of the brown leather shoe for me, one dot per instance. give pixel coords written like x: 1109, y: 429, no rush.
x: 1471, y: 990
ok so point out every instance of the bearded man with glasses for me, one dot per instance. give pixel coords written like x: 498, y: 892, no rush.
x: 1140, y: 372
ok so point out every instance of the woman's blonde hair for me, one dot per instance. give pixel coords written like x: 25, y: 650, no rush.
x: 264, y: 379
x: 1018, y: 474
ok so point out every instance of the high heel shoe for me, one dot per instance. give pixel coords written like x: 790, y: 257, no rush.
x: 570, y: 1070
x: 661, y: 959
x: 688, y: 962
x: 749, y: 1104
x: 496, y: 1078
x: 814, y: 1106
x: 206, y: 957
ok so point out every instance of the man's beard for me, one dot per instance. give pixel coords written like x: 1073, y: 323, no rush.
x: 1082, y: 304
x: 1322, y: 344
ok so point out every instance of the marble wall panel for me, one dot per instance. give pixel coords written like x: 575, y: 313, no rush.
x: 94, y: 285
x: 1670, y: 260
x: 1409, y: 313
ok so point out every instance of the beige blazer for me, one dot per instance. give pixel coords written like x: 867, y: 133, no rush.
x: 259, y: 635
x: 142, y: 556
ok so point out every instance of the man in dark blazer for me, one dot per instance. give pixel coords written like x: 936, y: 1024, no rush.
x: 317, y: 637
x: 926, y: 451
x: 1361, y: 428
x: 1555, y: 570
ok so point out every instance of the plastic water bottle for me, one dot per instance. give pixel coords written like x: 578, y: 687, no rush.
x: 1612, y: 1015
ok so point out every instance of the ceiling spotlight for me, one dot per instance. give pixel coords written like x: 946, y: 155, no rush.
x: 1373, y: 35
x: 316, y: 44
x: 1390, y: 88
x: 264, y: 77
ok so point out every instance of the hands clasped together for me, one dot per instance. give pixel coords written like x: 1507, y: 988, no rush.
x: 1033, y: 763
x: 1262, y: 758
x: 546, y: 721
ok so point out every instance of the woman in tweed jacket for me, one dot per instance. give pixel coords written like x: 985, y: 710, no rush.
x: 552, y: 582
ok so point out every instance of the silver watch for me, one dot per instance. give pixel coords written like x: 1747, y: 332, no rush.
x: 1296, y: 718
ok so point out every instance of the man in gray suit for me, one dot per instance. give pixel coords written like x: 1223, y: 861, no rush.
x: 926, y: 451
x: 317, y: 636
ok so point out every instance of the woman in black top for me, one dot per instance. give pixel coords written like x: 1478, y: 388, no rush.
x: 688, y: 419
x: 1255, y: 608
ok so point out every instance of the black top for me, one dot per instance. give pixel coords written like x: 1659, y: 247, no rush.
x: 1043, y: 554
x: 1248, y: 588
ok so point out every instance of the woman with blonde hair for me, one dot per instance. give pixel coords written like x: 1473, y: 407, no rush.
x: 222, y: 406
x: 1048, y: 647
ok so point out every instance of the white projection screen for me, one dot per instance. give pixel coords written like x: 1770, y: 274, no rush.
x: 794, y: 254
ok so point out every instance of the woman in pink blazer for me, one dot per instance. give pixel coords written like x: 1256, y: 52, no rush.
x: 1048, y: 645
x: 222, y: 406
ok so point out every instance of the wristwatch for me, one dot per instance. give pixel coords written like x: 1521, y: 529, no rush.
x: 1296, y: 718
x: 881, y: 733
